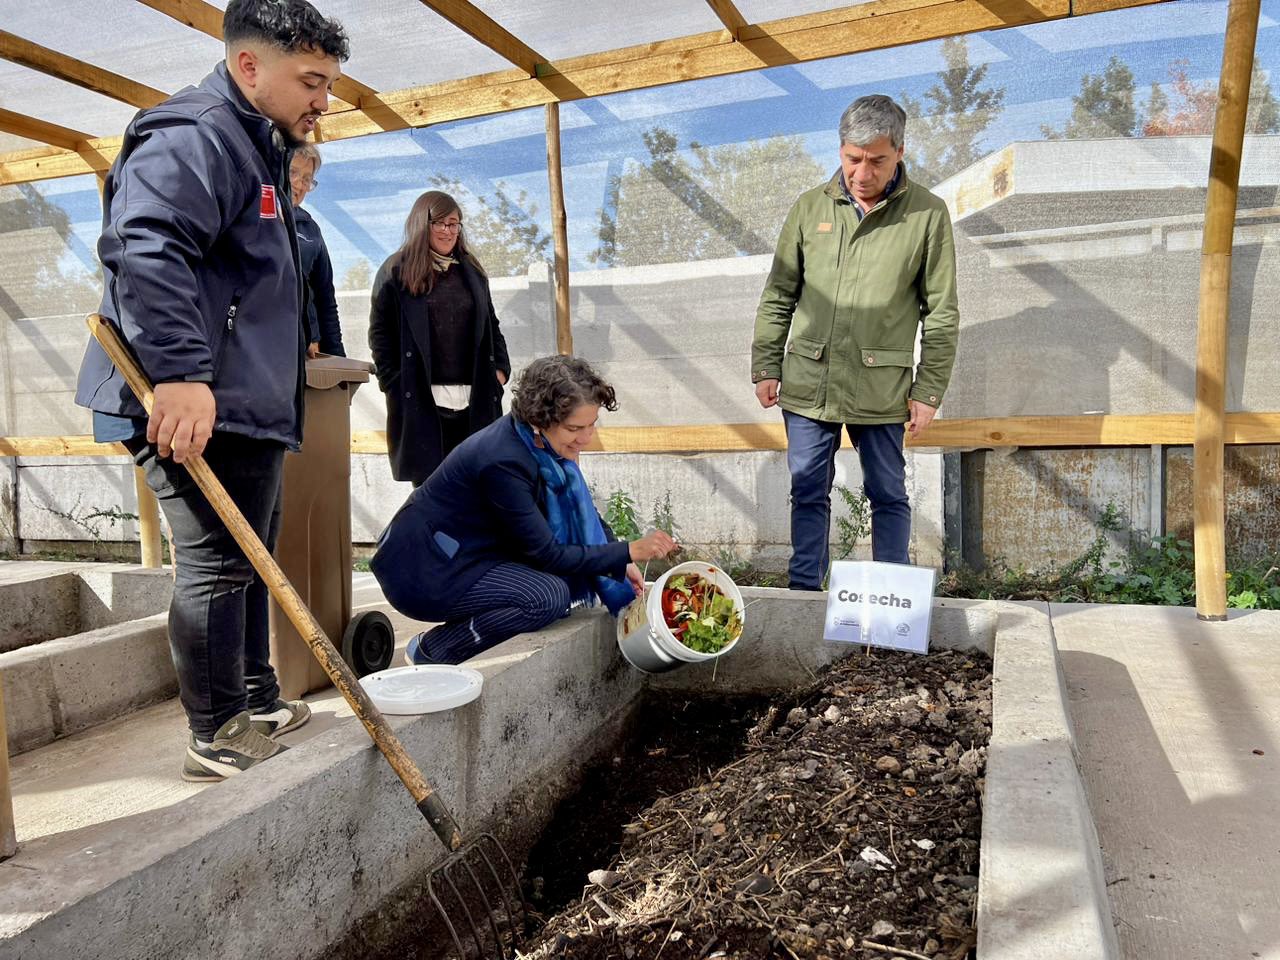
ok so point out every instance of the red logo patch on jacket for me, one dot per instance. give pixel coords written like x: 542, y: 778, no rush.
x: 267, y: 210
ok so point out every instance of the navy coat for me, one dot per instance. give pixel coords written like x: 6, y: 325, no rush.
x: 200, y: 263
x: 400, y: 341
x: 323, y: 326
x: 480, y: 509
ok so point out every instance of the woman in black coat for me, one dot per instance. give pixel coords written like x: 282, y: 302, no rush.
x: 438, y: 353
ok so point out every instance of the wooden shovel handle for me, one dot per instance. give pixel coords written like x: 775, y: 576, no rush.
x: 424, y: 795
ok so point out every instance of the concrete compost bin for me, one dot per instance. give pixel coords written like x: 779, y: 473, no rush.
x: 124, y: 886
x: 314, y: 546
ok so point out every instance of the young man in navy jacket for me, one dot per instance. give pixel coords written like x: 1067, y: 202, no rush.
x: 200, y: 260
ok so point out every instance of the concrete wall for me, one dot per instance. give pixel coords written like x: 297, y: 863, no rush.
x: 1041, y: 508
x: 1253, y: 498
x: 332, y: 834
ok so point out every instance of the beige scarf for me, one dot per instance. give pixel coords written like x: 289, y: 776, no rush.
x: 440, y: 262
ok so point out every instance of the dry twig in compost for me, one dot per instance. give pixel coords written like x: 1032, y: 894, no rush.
x: 896, y: 951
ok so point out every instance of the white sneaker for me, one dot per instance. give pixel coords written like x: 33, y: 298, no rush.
x: 288, y: 715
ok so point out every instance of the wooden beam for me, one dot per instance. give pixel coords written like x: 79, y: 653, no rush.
x: 1139, y: 430
x: 867, y: 26
x: 207, y: 18
x: 59, y: 447
x: 478, y: 25
x: 49, y: 163
x: 1173, y: 429
x: 1215, y: 308
x: 560, y: 232
x: 17, y: 50
x: 149, y: 540
x: 1108, y: 430
x: 733, y: 21
x: 41, y: 130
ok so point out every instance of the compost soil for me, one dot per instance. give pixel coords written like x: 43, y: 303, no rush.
x: 841, y: 821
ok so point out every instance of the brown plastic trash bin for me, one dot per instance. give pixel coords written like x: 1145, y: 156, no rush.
x: 314, y: 545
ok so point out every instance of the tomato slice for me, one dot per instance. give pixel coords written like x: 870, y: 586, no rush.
x: 669, y: 605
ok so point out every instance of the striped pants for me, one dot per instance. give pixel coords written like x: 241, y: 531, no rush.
x: 509, y: 599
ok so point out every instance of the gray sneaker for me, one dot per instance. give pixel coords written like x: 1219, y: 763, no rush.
x: 287, y: 715
x: 236, y: 747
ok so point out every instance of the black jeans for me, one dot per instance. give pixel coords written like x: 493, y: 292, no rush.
x: 218, y: 629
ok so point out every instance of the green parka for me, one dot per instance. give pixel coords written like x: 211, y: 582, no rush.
x: 838, y: 317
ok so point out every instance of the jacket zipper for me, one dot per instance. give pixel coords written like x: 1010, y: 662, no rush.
x: 232, y: 309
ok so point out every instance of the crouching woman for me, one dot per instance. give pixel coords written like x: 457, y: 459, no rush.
x: 503, y: 537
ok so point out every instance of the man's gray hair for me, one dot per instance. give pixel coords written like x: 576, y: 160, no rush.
x: 869, y: 118
x: 308, y: 151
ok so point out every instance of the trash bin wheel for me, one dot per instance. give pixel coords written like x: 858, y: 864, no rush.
x: 368, y: 642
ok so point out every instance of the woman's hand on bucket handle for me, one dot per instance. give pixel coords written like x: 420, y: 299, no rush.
x: 652, y: 546
x: 636, y: 579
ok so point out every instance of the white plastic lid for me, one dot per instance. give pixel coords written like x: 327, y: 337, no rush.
x: 424, y: 688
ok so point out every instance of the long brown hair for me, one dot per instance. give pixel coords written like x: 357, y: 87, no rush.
x: 414, y: 256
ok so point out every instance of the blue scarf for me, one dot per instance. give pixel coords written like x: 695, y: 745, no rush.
x: 573, y: 520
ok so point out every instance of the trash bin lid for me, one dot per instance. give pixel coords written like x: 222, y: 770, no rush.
x: 325, y: 371
x: 423, y: 688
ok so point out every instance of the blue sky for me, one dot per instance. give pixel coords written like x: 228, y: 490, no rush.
x: 367, y: 185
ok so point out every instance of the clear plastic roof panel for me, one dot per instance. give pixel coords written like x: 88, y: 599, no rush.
x: 10, y: 143
x: 559, y: 29
x: 35, y: 94
x: 402, y: 43
x: 132, y: 39
x: 762, y: 11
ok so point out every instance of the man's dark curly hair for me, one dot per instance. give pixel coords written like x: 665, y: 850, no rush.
x: 289, y: 25
x: 551, y: 388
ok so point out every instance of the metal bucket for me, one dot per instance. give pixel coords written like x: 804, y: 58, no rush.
x: 643, y: 635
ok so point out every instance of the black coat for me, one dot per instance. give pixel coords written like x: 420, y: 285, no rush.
x: 480, y: 509
x: 400, y: 339
x: 323, y: 326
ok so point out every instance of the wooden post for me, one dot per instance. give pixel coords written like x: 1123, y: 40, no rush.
x: 148, y: 521
x: 148, y: 507
x: 559, y: 231
x: 8, y: 838
x: 1215, y: 303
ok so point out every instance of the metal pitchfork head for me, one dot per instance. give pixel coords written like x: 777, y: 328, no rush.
x: 471, y: 892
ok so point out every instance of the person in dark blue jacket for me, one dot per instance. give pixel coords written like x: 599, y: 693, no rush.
x: 503, y: 537
x: 200, y: 264
x: 324, y: 332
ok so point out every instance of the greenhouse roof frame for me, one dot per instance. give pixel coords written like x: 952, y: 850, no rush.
x: 59, y: 149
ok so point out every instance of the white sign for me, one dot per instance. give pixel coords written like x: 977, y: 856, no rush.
x: 880, y: 604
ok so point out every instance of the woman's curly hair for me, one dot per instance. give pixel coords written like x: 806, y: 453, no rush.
x: 551, y: 388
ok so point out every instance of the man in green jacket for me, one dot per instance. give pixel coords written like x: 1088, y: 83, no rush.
x: 862, y: 265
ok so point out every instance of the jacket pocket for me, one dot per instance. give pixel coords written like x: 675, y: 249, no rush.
x: 804, y: 367
x: 885, y: 381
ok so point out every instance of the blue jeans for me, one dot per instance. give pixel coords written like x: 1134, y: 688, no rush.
x: 811, y: 459
x: 218, y: 625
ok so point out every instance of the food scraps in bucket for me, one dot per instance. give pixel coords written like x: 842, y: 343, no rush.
x: 699, y: 614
